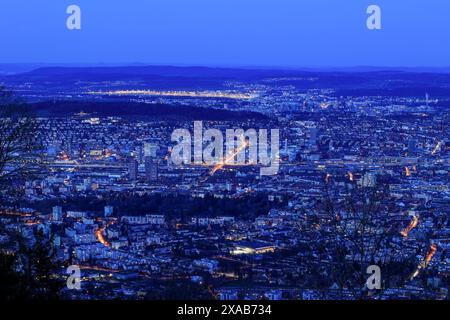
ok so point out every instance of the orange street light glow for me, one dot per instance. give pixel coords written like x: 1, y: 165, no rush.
x: 412, y: 225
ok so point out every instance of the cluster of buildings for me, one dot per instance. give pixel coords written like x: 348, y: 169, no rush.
x: 328, y: 144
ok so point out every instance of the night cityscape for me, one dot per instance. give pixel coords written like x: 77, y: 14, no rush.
x: 162, y: 182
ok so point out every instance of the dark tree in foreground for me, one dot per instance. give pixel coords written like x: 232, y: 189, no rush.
x: 11, y: 287
x: 28, y: 271
x: 17, y: 140
x: 41, y: 268
x: 32, y: 272
x: 362, y: 234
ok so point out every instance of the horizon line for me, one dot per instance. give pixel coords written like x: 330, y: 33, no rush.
x: 225, y: 66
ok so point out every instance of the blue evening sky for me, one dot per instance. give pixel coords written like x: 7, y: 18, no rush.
x: 302, y: 33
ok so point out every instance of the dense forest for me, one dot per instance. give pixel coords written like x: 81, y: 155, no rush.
x: 172, y: 206
x: 120, y: 107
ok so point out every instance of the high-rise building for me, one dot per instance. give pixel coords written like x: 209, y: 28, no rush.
x: 133, y: 169
x: 69, y: 149
x: 140, y: 153
x: 87, y: 184
x: 412, y: 146
x: 151, y: 169
x: 313, y: 133
x: 150, y: 149
x: 57, y: 213
x: 108, y: 211
x: 369, y: 180
x: 304, y: 106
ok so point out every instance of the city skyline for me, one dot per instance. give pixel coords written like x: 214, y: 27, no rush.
x: 197, y: 154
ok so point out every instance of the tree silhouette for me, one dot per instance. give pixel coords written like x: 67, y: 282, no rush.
x: 32, y: 272
x: 362, y: 233
x: 18, y: 139
x: 41, y: 268
x: 12, y: 286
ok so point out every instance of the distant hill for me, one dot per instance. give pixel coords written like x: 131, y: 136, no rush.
x: 151, y: 71
x: 158, y: 77
x: 352, y: 81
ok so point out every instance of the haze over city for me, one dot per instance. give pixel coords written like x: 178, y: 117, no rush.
x: 203, y: 152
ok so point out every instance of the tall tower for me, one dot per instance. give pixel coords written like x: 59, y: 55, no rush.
x: 133, y: 169
x: 151, y: 169
x: 313, y: 133
x: 57, y: 213
x: 150, y: 149
x: 108, y: 211
x: 412, y: 146
x: 369, y: 180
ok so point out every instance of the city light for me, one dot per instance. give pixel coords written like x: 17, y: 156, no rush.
x: 414, y: 222
x: 182, y: 94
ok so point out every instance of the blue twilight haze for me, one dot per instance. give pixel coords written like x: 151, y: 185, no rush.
x: 286, y: 33
x: 232, y: 150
